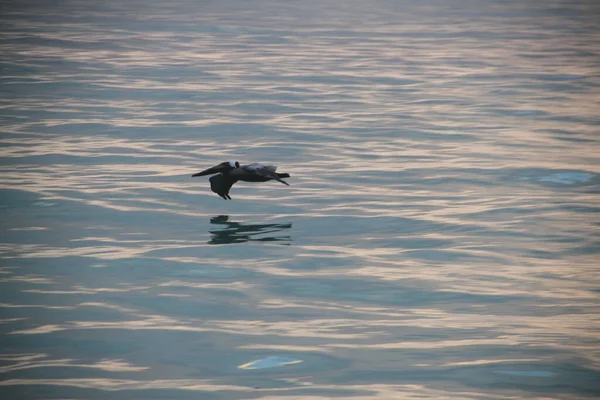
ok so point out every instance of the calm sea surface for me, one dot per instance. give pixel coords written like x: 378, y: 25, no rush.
x: 440, y: 238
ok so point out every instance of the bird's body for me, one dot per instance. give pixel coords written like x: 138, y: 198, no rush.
x: 230, y: 172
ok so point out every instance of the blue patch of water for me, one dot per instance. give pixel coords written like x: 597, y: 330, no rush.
x: 532, y: 374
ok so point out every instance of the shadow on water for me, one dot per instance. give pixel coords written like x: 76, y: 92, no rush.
x: 236, y: 232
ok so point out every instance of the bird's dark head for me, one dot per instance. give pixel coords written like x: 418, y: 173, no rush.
x: 220, y: 168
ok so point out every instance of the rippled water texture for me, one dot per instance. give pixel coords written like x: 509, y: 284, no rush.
x: 439, y: 239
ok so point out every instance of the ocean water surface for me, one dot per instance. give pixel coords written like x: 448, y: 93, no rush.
x: 439, y: 240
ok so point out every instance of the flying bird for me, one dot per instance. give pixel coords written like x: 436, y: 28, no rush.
x: 229, y: 172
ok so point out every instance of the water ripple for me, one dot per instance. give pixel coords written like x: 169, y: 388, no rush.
x: 438, y: 240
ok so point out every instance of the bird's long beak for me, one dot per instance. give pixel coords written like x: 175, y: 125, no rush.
x: 212, y: 170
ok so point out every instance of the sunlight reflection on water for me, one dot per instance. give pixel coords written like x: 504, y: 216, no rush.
x: 438, y: 240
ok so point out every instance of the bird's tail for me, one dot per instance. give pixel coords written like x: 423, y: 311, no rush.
x: 283, y: 175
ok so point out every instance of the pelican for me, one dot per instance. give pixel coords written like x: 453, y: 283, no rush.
x: 229, y: 172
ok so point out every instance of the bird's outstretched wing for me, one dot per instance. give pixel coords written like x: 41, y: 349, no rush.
x: 220, y: 185
x: 265, y: 171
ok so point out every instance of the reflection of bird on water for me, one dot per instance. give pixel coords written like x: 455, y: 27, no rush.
x: 236, y: 232
x: 229, y: 172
